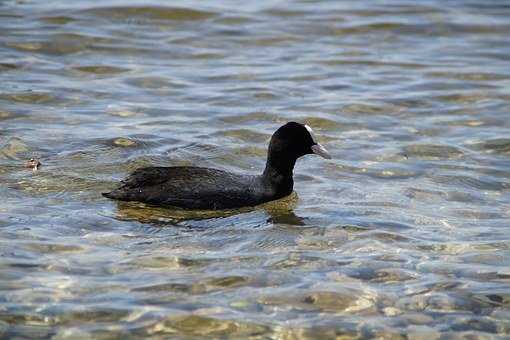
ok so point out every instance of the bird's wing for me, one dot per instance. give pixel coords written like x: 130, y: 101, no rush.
x: 146, y: 177
x: 189, y: 187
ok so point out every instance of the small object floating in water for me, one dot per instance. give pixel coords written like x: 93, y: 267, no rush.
x: 205, y: 188
x: 33, y: 164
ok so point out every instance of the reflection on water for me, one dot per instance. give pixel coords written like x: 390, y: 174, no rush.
x: 402, y: 235
x: 281, y: 209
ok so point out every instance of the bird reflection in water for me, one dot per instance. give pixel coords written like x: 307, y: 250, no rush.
x: 276, y: 212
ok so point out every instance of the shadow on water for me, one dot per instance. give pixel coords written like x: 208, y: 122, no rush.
x: 277, y: 212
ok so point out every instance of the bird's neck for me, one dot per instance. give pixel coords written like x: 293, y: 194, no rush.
x: 279, y: 171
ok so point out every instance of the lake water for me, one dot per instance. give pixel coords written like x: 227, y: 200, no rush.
x: 404, y: 234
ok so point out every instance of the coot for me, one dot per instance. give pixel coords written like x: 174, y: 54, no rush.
x: 204, y: 188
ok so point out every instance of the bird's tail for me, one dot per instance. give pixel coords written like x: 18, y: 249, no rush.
x: 110, y: 194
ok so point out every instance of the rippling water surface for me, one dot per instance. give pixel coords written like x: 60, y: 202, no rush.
x: 404, y: 233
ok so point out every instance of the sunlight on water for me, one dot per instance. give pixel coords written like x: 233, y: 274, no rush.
x: 404, y: 234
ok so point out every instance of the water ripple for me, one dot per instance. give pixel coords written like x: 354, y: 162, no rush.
x: 402, y: 234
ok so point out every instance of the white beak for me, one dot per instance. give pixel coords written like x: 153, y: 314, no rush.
x: 318, y: 149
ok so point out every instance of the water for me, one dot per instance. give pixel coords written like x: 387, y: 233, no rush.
x: 403, y: 234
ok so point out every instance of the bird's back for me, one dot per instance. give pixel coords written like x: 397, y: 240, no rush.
x: 191, y: 188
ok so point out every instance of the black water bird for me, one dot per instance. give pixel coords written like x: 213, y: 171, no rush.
x: 204, y: 188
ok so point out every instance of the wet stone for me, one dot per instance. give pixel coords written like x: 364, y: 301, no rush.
x: 13, y: 148
x: 100, y: 69
x: 228, y: 281
x: 29, y: 332
x: 499, y: 145
x: 422, y: 333
x: 5, y: 114
x: 392, y: 275
x: 339, y: 331
x: 151, y: 13
x: 196, y: 325
x: 58, y: 20
x: 418, y: 318
x: 391, y: 311
x: 481, y: 324
x: 431, y: 151
x: 120, y: 111
x: 82, y: 334
x: 124, y: 142
x: 29, y: 97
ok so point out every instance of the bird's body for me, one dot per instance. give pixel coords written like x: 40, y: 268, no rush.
x: 205, y: 188
x: 194, y: 188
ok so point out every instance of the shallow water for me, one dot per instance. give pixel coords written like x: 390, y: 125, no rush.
x: 403, y: 234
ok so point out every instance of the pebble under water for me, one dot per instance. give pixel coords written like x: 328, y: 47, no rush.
x: 403, y: 234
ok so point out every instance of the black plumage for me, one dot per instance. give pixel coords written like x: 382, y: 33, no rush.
x: 205, y: 188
